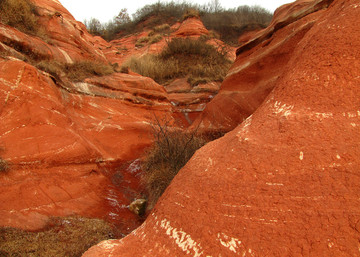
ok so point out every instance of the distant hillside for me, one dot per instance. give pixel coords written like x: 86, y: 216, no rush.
x: 229, y: 24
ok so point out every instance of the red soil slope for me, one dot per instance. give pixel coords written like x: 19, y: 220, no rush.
x: 65, y: 142
x: 286, y: 181
x: 260, y: 63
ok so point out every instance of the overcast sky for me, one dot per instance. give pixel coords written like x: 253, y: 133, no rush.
x: 105, y: 10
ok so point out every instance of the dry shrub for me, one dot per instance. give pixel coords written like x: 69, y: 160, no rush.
x: 171, y: 150
x: 20, y: 14
x: 151, y: 66
x: 151, y: 39
x: 230, y: 24
x: 52, y: 67
x: 4, y: 166
x: 77, y: 71
x: 162, y: 28
x: 191, y: 13
x: 69, y: 237
x: 183, y: 58
x: 143, y: 40
x: 154, y: 39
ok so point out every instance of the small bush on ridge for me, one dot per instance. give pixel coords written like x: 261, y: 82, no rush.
x: 69, y: 237
x: 228, y: 23
x: 171, y: 150
x: 20, y: 14
x: 76, y: 71
x: 4, y: 166
x: 183, y: 58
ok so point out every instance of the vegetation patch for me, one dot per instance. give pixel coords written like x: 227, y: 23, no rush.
x: 229, y: 24
x: 63, y: 237
x: 163, y: 28
x: 4, y: 166
x: 183, y: 58
x: 20, y: 14
x: 154, y: 39
x: 77, y: 71
x: 171, y: 150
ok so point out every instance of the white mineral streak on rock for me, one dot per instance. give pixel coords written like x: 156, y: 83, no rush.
x: 301, y: 156
x: 245, y: 129
x: 284, y: 109
x: 229, y: 242
x: 109, y: 246
x: 182, y: 239
x: 67, y: 57
x: 83, y: 87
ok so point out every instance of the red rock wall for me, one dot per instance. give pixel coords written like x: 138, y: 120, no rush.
x: 67, y: 144
x: 57, y: 143
x: 260, y: 62
x: 286, y: 181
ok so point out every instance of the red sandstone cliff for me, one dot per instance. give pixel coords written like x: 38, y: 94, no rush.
x: 285, y: 182
x: 261, y: 61
x: 64, y: 140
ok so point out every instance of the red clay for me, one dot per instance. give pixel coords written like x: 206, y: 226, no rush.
x: 285, y: 182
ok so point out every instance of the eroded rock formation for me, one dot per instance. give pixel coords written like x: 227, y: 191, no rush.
x: 285, y: 182
x: 66, y: 141
x: 261, y: 62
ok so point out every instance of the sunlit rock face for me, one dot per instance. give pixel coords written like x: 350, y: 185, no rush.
x: 285, y: 182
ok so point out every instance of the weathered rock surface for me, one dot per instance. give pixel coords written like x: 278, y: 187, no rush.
x: 67, y: 39
x: 286, y: 181
x: 119, y: 50
x: 191, y: 27
x: 188, y: 102
x: 61, y: 145
x: 64, y: 142
x: 260, y: 63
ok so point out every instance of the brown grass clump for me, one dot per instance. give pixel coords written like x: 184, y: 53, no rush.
x: 191, y: 13
x: 171, y: 150
x: 154, y: 39
x: 77, y: 71
x: 183, y: 58
x: 229, y: 24
x: 162, y: 28
x: 232, y: 23
x: 64, y: 237
x: 4, y: 166
x: 20, y: 14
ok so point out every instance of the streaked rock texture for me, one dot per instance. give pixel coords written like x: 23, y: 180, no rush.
x: 69, y: 145
x: 61, y: 145
x: 286, y: 181
x: 261, y: 62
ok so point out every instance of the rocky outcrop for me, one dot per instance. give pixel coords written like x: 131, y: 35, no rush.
x: 260, y: 63
x: 60, y: 145
x: 191, y: 27
x: 63, y: 38
x: 188, y: 102
x: 286, y: 181
x: 68, y: 145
